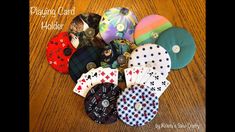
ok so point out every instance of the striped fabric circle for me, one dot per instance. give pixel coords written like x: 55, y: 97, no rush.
x: 149, y: 29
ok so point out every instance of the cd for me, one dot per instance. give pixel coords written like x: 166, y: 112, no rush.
x: 137, y: 105
x: 149, y: 29
x: 58, y: 52
x: 100, y: 103
x: 180, y: 45
x: 151, y: 55
x: 81, y: 61
x: 117, y: 23
x: 84, y: 31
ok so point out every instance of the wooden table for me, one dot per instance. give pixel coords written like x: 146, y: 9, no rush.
x: 53, y: 105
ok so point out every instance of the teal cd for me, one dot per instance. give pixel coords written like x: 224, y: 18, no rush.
x: 180, y: 45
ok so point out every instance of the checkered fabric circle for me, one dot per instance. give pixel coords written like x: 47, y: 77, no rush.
x: 80, y: 59
x: 58, y: 52
x: 100, y: 103
x: 137, y: 105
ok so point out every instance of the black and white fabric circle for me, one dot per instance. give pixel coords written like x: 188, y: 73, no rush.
x: 137, y: 105
x: 151, y: 55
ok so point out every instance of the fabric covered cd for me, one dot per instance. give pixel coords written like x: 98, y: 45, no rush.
x: 100, y: 103
x: 137, y: 105
x: 58, y: 52
x: 149, y: 29
x: 116, y: 53
x: 180, y: 45
x: 84, y: 31
x: 117, y: 23
x: 82, y: 59
x: 151, y: 55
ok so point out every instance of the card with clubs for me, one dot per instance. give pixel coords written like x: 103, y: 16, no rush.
x: 157, y: 83
x: 146, y: 76
x: 94, y: 76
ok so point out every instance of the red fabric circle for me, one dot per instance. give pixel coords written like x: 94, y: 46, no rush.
x: 55, y: 52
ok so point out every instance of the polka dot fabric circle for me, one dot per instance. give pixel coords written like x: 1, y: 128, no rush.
x: 100, y: 103
x: 81, y: 58
x: 149, y: 29
x: 137, y: 105
x: 183, y: 40
x: 58, y: 52
x: 151, y: 55
x: 117, y: 23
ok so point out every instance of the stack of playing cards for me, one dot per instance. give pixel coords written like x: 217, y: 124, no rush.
x: 94, y: 77
x: 146, y: 76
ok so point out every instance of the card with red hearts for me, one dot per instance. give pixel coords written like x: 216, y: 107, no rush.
x: 107, y: 75
x: 146, y: 76
x: 94, y: 77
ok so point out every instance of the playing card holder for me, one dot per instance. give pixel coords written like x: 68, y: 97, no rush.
x: 137, y: 105
x: 100, y: 103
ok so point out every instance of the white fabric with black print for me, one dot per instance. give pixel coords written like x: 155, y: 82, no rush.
x: 137, y: 105
x: 151, y: 55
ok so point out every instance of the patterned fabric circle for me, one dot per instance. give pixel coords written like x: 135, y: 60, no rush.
x: 84, y: 31
x: 180, y: 45
x: 116, y: 53
x: 137, y: 105
x: 151, y: 55
x: 117, y: 23
x: 81, y: 59
x: 100, y: 103
x: 149, y: 29
x: 58, y: 52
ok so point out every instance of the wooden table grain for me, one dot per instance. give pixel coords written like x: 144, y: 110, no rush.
x: 53, y: 105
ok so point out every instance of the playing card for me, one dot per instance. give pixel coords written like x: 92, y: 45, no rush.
x: 128, y: 76
x: 81, y: 87
x: 157, y: 83
x: 161, y: 87
x: 141, y: 74
x: 146, y: 76
x: 108, y: 75
x: 94, y: 76
x: 88, y: 78
x: 136, y: 71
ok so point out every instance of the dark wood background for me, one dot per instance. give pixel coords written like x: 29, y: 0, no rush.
x: 53, y: 105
